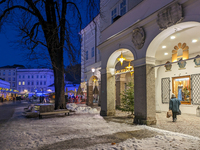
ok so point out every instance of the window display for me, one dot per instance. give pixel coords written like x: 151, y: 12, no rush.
x: 181, y: 88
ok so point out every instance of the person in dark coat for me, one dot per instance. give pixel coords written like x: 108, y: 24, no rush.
x: 174, y: 106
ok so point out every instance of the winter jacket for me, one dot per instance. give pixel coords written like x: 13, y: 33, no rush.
x: 174, y: 105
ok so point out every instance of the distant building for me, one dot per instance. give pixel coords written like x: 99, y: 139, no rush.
x: 27, y: 80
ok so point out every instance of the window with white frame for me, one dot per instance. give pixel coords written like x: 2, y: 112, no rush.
x: 114, y: 13
x: 122, y: 7
x: 86, y: 55
x: 92, y: 52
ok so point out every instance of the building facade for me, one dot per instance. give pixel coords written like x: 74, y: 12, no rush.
x: 28, y: 80
x: 90, y: 59
x: 34, y: 80
x: 160, y: 40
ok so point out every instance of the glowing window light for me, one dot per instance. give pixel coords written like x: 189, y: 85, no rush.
x: 165, y: 53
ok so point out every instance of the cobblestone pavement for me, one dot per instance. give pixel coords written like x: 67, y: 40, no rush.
x: 186, y: 124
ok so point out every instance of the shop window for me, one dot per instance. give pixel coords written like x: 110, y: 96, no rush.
x: 181, y: 87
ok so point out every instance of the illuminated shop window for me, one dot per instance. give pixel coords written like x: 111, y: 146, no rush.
x: 181, y: 87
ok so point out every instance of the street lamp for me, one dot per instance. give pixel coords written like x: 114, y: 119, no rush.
x: 93, y: 70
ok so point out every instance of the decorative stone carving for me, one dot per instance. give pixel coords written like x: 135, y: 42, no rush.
x: 138, y: 37
x: 170, y: 16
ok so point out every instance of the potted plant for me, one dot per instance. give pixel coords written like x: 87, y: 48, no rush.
x: 168, y: 66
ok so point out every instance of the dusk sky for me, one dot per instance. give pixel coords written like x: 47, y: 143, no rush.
x: 12, y: 54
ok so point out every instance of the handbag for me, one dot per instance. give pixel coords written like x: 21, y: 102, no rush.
x: 169, y: 113
x: 179, y: 112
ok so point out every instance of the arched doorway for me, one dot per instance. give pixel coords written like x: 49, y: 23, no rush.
x: 113, y: 81
x: 92, y: 91
x: 178, y: 42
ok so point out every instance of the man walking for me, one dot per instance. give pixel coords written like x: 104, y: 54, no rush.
x: 174, y: 106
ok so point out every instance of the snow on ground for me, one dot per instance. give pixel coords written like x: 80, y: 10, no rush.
x: 76, y: 130
x: 81, y: 108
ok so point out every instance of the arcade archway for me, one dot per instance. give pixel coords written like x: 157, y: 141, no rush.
x: 180, y: 42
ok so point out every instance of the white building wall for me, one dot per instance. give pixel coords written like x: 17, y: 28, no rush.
x: 34, y: 79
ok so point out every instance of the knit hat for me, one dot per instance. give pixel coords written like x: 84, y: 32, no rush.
x: 173, y: 95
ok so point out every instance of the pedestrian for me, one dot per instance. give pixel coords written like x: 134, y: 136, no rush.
x: 174, y: 106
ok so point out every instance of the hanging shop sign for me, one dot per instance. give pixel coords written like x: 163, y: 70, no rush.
x: 197, y: 61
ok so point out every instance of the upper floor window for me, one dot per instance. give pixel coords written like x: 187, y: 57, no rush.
x: 19, y: 76
x: 37, y: 83
x: 44, y: 76
x: 13, y: 84
x: 23, y: 83
x: 41, y: 76
x: 13, y: 79
x: 32, y: 83
x: 37, y: 76
x: 44, y: 82
x: 3, y: 73
x: 93, y: 52
x: 40, y: 82
x: 86, y: 55
x: 9, y: 79
x: 28, y: 83
x: 19, y: 82
x: 32, y: 76
x: 114, y: 13
x: 0, y: 73
x: 9, y: 73
x: 123, y: 7
x: 28, y: 76
x: 13, y: 73
x: 23, y: 76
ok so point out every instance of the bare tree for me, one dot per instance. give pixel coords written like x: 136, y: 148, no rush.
x: 46, y: 23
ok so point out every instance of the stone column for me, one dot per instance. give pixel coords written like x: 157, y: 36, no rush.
x: 107, y: 94
x: 99, y: 103
x: 144, y: 81
x: 89, y: 101
x: 120, y: 87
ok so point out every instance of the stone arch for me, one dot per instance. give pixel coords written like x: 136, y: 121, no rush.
x: 108, y: 82
x: 153, y: 46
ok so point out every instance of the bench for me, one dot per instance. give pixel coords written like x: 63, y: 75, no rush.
x: 59, y: 111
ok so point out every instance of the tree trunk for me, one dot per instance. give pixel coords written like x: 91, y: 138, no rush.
x: 59, y: 82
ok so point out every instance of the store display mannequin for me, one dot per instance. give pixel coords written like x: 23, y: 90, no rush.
x: 180, y: 87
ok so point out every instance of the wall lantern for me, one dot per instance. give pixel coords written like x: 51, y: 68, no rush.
x: 121, y: 59
x: 93, y: 70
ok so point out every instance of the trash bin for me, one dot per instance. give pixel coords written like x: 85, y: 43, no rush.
x: 198, y: 111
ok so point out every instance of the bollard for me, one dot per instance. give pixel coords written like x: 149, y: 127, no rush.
x: 198, y: 111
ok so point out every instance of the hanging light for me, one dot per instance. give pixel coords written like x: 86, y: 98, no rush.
x: 121, y: 59
x: 129, y: 66
x: 132, y: 73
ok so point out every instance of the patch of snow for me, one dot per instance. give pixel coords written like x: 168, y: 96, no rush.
x: 81, y: 109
